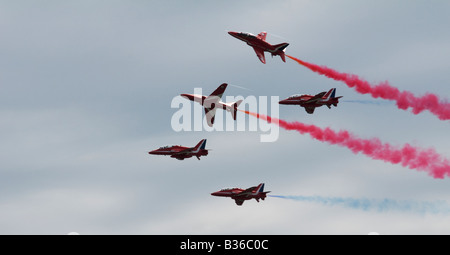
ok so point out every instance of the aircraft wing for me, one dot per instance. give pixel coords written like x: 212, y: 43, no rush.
x: 210, y: 115
x: 210, y: 105
x: 246, y: 192
x: 260, y: 54
x: 310, y: 109
x: 316, y: 97
x: 262, y: 36
x: 182, y: 154
x: 219, y: 91
x: 211, y: 102
x: 239, y: 201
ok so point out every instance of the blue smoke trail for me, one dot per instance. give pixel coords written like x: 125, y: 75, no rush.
x: 383, y: 205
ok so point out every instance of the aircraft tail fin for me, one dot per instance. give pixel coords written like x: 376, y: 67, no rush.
x: 200, y: 146
x: 260, y: 188
x: 234, y: 107
x: 281, y: 48
x: 330, y: 94
x: 260, y: 192
x: 333, y: 94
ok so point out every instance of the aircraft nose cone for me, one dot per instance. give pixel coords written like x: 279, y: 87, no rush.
x: 283, y: 101
x: 188, y: 96
x: 152, y: 152
x: 214, y: 194
x: 234, y: 34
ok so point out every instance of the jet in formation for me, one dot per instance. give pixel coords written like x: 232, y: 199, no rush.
x: 240, y: 195
x: 181, y: 152
x: 310, y: 102
x: 212, y: 102
x: 260, y: 45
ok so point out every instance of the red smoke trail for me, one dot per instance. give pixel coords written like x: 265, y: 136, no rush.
x: 404, y: 99
x: 427, y: 160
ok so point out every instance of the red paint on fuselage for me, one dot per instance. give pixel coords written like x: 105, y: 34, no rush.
x: 168, y: 150
x: 302, y: 101
x: 310, y: 102
x: 253, y: 41
x: 240, y: 195
x: 227, y: 192
x: 181, y: 152
x: 260, y: 45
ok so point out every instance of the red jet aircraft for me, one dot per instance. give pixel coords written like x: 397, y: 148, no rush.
x: 240, y: 195
x: 180, y: 152
x: 212, y: 102
x: 260, y: 45
x: 310, y: 102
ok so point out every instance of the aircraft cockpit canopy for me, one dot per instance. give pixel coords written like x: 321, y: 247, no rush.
x: 247, y: 35
x: 226, y: 189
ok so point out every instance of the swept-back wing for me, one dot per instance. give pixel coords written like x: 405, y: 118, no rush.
x: 210, y: 114
x: 246, y: 192
x: 310, y: 109
x: 316, y: 98
x: 183, y: 153
x: 260, y: 54
x: 262, y: 36
x: 239, y: 201
x: 219, y: 91
x: 212, y: 102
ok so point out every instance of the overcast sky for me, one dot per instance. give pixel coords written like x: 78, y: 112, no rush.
x: 86, y: 92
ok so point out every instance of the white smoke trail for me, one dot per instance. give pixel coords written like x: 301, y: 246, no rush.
x: 240, y: 87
